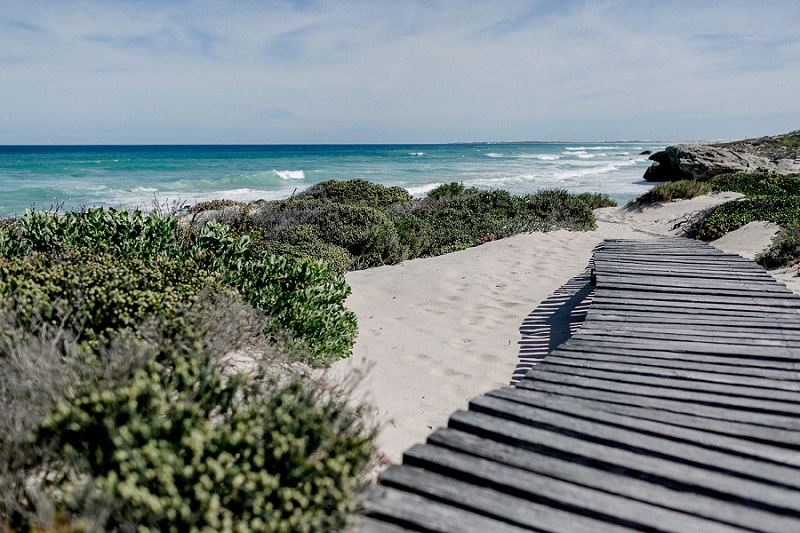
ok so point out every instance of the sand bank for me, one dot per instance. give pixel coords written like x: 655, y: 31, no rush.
x: 436, y: 332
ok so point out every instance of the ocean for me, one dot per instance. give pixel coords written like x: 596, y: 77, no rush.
x: 133, y: 176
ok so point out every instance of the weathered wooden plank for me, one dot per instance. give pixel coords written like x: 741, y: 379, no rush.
x: 771, y: 352
x: 679, y: 281
x: 774, y: 358
x: 760, y: 427
x: 728, y: 373
x: 491, y: 503
x: 757, y: 321
x: 584, y: 426
x: 365, y: 524
x: 634, y: 367
x: 614, y: 482
x: 554, y: 492
x: 668, y: 473
x: 683, y: 290
x: 746, y: 300
x: 600, y: 324
x: 671, y: 389
x: 682, y: 428
x: 423, y: 514
x: 686, y: 273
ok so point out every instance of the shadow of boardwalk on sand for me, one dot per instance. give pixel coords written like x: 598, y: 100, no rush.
x: 553, y: 322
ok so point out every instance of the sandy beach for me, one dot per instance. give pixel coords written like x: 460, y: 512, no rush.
x: 435, y: 332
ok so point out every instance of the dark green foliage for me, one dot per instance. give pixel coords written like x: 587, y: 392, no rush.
x: 438, y: 227
x: 758, y: 184
x: 451, y: 190
x: 367, y: 233
x: 336, y: 258
x: 214, y: 205
x: 732, y: 215
x: 674, y: 190
x: 356, y: 192
x: 157, y: 433
x: 785, y: 247
x: 596, y: 200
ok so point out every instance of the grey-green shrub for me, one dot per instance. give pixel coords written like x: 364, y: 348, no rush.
x: 784, y: 248
x: 674, y: 190
x: 179, y: 441
x: 356, y: 191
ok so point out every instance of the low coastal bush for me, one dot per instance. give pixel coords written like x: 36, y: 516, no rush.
x: 379, y: 225
x: 214, y: 205
x: 784, y: 248
x: 356, y: 192
x: 436, y: 227
x: 758, y: 184
x: 119, y: 268
x: 732, y: 215
x: 596, y: 200
x: 674, y: 190
x: 158, y: 432
x: 450, y: 190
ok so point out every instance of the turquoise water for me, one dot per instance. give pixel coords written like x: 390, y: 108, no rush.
x: 133, y: 176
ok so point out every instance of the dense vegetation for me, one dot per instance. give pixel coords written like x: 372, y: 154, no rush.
x: 357, y: 224
x: 147, y: 380
x: 149, y: 369
x: 768, y: 197
x: 674, y: 190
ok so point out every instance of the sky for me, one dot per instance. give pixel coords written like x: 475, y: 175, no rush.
x: 374, y: 71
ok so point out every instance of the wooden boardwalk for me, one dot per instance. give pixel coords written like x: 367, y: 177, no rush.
x: 675, y: 408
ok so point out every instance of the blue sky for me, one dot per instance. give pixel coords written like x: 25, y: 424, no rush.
x: 306, y: 71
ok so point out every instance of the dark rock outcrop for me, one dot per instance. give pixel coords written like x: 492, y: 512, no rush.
x: 702, y: 162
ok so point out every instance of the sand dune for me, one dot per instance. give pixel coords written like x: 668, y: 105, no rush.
x: 439, y: 331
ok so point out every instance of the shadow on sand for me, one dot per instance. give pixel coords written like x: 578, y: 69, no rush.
x: 553, y: 322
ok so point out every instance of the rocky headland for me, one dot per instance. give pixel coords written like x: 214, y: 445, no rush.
x: 780, y: 153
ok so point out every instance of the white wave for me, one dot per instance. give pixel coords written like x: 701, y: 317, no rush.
x: 291, y: 174
x: 585, y: 156
x: 492, y: 154
x: 144, y: 189
x: 548, y: 157
x: 422, y: 190
x: 417, y: 153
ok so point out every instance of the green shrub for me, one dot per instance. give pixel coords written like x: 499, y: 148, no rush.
x: 596, y: 200
x: 758, y: 184
x: 674, y: 190
x: 441, y: 226
x: 300, y: 295
x: 101, y: 294
x: 214, y: 205
x: 732, y: 215
x: 336, y: 258
x: 784, y: 248
x: 450, y: 190
x: 356, y: 191
x: 367, y: 233
x: 179, y: 441
x: 93, y: 230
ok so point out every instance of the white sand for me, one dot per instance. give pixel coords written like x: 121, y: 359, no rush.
x: 439, y: 331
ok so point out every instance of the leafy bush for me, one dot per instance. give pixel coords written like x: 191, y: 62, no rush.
x: 94, y: 230
x: 100, y: 294
x: 356, y: 191
x: 450, y: 190
x: 299, y: 295
x: 437, y: 227
x: 732, y: 215
x: 367, y: 233
x: 784, y: 248
x: 758, y: 184
x: 674, y: 190
x: 214, y: 205
x: 162, y: 435
x: 596, y: 200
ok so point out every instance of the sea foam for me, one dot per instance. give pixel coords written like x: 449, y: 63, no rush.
x: 291, y: 174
